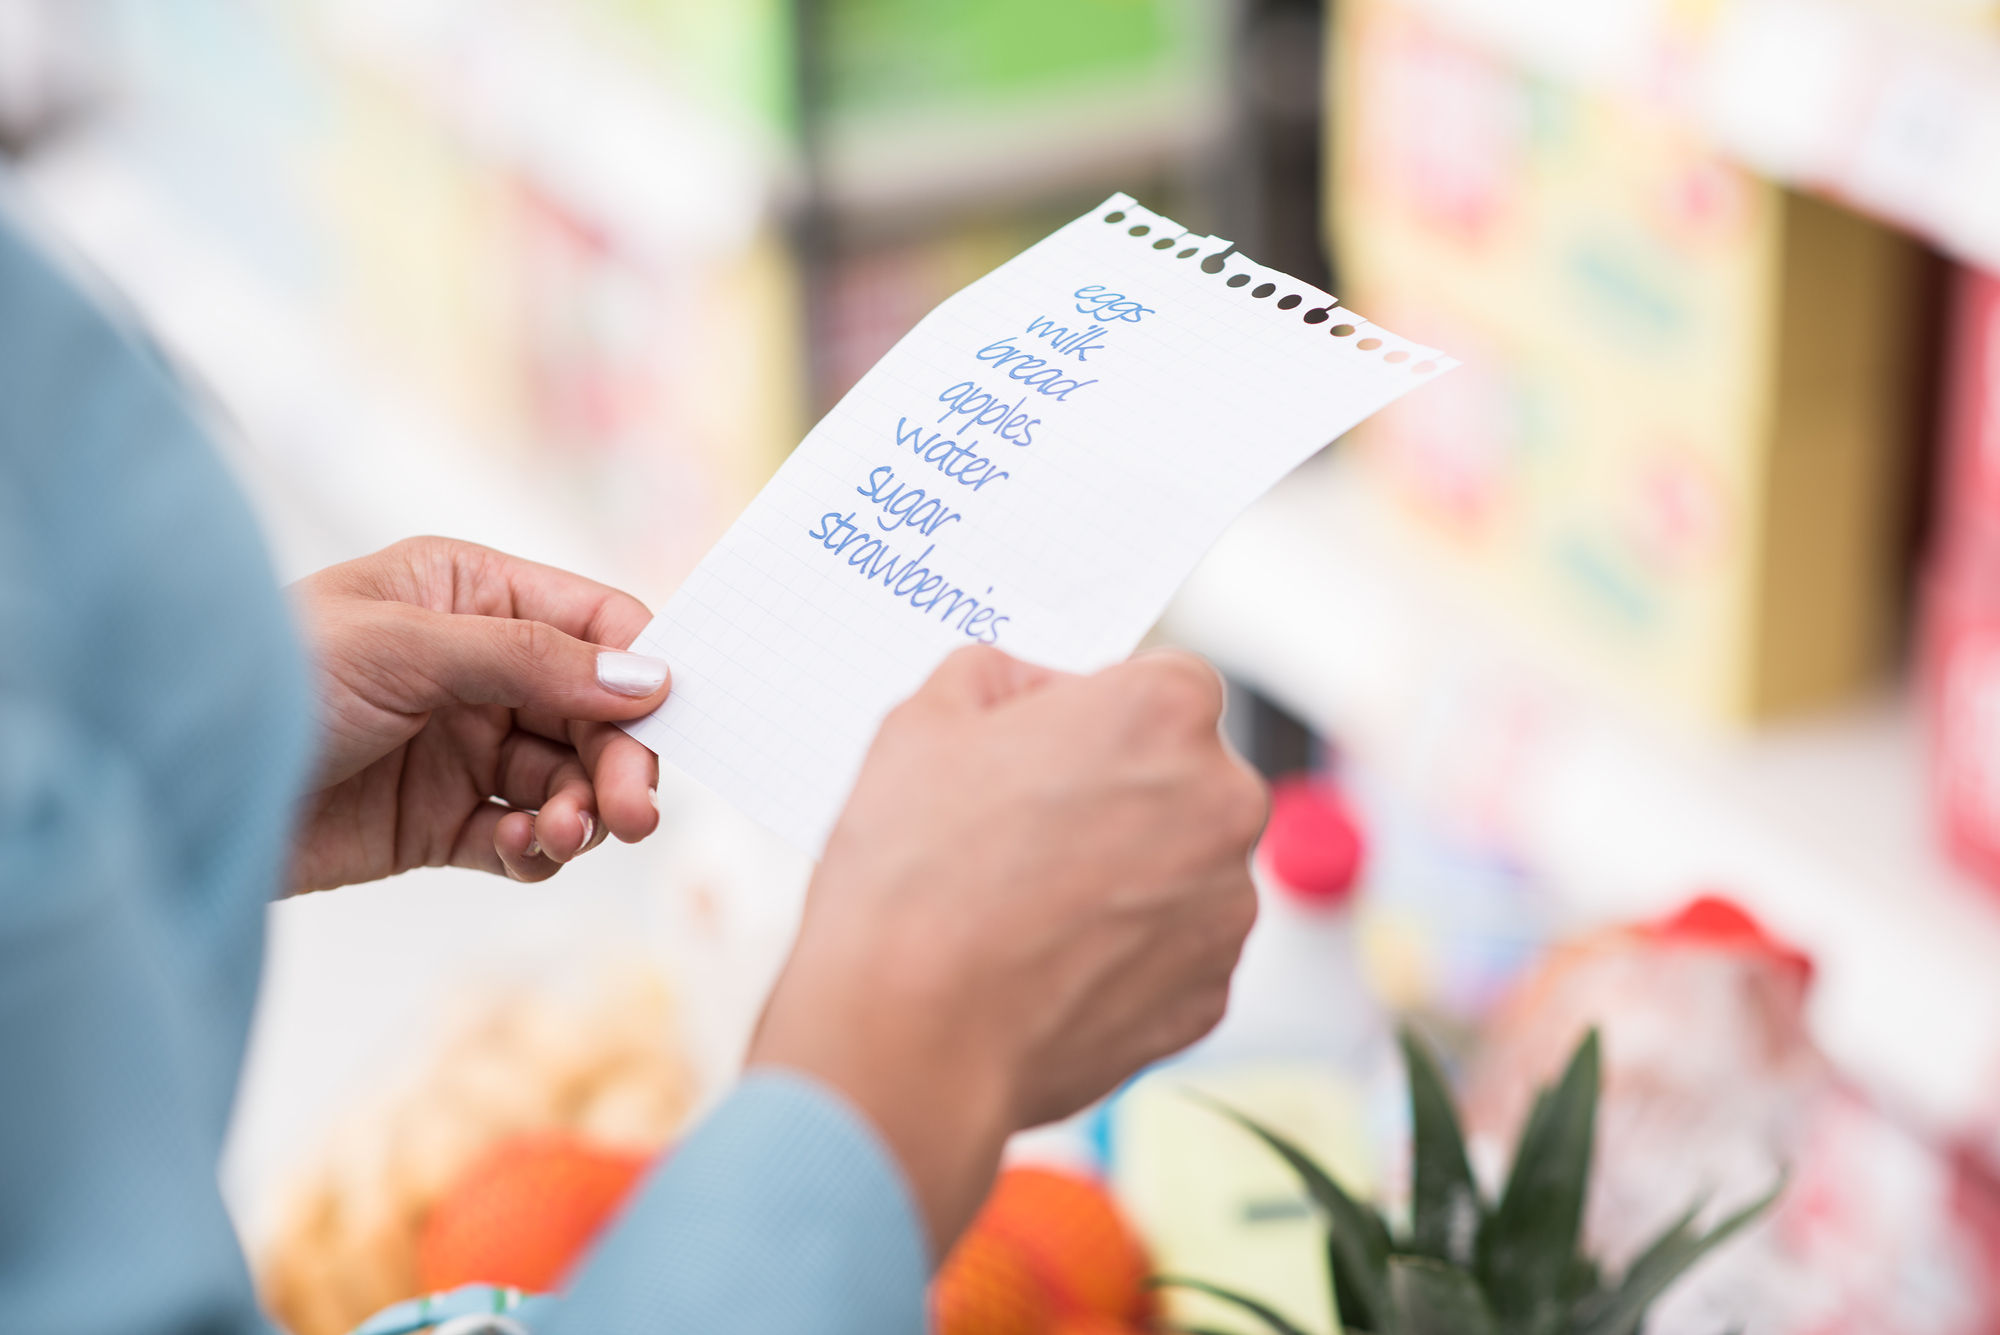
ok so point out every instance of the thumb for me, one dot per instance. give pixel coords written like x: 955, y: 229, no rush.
x: 979, y: 677
x: 443, y: 658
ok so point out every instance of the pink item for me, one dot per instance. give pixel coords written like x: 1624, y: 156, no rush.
x: 1313, y: 846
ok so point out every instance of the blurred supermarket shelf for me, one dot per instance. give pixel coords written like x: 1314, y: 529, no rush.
x: 530, y: 84
x: 914, y: 112
x: 1822, y: 830
x: 338, y: 460
x: 1893, y: 109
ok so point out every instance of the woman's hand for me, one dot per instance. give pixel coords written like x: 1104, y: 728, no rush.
x: 451, y: 675
x: 1040, y: 884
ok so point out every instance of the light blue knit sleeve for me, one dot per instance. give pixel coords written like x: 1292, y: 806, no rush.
x: 783, y: 1212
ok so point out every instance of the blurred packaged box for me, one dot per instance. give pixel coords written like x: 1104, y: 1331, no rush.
x: 913, y: 103
x: 1680, y: 444
x: 1961, y: 632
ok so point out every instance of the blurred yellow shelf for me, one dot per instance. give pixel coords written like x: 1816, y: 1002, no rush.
x: 531, y: 86
x: 1891, y: 107
x: 1821, y: 829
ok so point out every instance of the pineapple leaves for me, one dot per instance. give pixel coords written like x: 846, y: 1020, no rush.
x: 1435, y: 1298
x: 1528, y: 1245
x: 1357, y: 1241
x: 1465, y: 1269
x: 1445, y: 1212
x: 1268, y: 1315
x: 1620, y: 1311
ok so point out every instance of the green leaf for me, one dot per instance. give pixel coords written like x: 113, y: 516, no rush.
x: 1528, y: 1245
x: 1435, y: 1298
x: 1621, y: 1311
x: 1585, y: 1282
x: 1357, y: 1241
x: 1445, y: 1211
x: 1267, y: 1315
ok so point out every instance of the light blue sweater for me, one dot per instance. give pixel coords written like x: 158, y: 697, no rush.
x: 153, y: 740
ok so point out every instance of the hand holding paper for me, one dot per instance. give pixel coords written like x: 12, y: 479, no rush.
x: 1036, y: 466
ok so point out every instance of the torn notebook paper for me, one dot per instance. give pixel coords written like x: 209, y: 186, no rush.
x: 1036, y: 466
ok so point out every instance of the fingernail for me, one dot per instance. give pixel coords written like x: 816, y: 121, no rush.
x: 630, y: 674
x: 589, y: 828
x: 534, y: 848
x: 653, y: 796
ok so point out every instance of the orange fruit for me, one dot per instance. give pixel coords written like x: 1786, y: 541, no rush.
x: 1092, y: 1323
x: 523, y: 1213
x: 1070, y: 1231
x: 987, y: 1287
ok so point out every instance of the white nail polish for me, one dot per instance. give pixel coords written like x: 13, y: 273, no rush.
x: 630, y: 674
x: 589, y: 828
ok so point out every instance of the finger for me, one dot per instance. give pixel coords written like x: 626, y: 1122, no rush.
x: 446, y: 575
x: 550, y: 779
x: 980, y: 677
x: 500, y: 840
x: 575, y: 605
x: 623, y: 771
x: 1167, y: 695
x: 625, y: 776
x: 1191, y: 670
x: 418, y: 660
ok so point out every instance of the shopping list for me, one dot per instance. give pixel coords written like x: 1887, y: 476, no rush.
x: 1036, y: 466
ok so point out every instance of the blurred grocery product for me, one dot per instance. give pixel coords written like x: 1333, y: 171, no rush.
x: 1444, y: 918
x: 1691, y: 400
x: 1886, y: 105
x: 532, y: 1101
x: 915, y: 106
x: 1211, y: 1201
x: 940, y: 141
x: 522, y: 1214
x: 1312, y: 845
x: 1450, y: 918
x: 1298, y: 994
x: 1961, y: 627
x: 1465, y: 1266
x: 1048, y: 1254
x: 1711, y: 1086
x: 986, y: 1287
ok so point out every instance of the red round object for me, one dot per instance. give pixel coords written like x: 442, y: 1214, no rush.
x: 1313, y: 846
